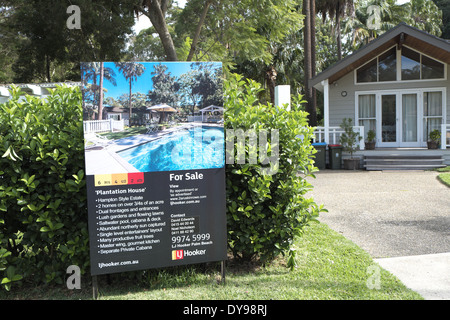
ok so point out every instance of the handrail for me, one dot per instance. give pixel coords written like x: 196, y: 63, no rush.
x: 445, y: 136
x: 320, y: 134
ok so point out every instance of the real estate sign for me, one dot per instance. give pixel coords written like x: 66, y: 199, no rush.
x: 154, y: 147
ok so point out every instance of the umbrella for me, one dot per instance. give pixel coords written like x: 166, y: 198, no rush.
x: 163, y: 108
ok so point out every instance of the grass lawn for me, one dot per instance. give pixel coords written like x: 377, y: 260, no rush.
x: 128, y: 132
x: 330, y: 267
x: 444, y: 177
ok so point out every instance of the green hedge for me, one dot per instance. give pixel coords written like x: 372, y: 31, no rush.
x: 265, y: 212
x: 43, y: 210
x: 43, y: 215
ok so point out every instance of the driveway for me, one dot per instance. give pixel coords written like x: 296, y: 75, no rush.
x: 398, y: 217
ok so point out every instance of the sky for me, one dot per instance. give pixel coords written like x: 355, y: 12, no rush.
x: 143, y: 83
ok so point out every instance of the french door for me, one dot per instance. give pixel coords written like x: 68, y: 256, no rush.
x: 401, y: 118
x: 399, y: 121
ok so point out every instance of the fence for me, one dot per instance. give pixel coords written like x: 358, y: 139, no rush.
x: 103, y: 125
x: 334, y: 133
x: 194, y: 119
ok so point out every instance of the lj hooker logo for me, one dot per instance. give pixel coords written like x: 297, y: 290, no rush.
x: 180, y: 254
x: 177, y: 254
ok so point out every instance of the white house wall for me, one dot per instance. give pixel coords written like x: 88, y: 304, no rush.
x: 344, y: 107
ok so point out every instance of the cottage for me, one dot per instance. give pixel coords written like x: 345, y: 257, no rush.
x: 41, y: 90
x: 397, y: 86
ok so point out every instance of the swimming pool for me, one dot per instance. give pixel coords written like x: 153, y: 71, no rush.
x: 196, y: 148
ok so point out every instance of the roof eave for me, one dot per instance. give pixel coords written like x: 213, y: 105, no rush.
x: 385, y: 39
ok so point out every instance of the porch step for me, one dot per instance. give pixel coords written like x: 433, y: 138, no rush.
x: 403, y: 162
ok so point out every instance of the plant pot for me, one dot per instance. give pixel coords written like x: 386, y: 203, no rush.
x: 351, y: 164
x: 432, y: 144
x: 370, y: 145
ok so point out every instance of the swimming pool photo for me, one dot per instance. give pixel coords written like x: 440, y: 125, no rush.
x: 187, y: 149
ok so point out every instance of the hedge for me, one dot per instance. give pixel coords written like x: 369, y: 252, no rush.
x: 267, y: 203
x: 43, y: 209
x: 43, y: 215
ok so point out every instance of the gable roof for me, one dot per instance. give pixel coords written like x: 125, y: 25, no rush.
x: 402, y: 34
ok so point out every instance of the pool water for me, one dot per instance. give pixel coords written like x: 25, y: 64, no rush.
x: 196, y: 148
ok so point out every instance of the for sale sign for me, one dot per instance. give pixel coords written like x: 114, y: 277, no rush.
x: 154, y: 147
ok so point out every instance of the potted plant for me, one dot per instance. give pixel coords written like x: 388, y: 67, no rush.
x: 435, y: 139
x: 370, y: 143
x: 348, y: 140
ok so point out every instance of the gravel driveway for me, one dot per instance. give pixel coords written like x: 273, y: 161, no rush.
x: 401, y: 218
x: 387, y: 213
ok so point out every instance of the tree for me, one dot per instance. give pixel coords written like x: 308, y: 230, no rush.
x: 156, y: 11
x: 198, y: 29
x: 422, y: 14
x: 444, y: 5
x: 8, y: 47
x: 165, y: 87
x: 131, y: 71
x: 208, y: 84
x: 338, y: 9
x: 236, y: 31
x: 201, y: 86
x: 426, y: 15
x: 46, y: 50
x: 145, y: 46
x: 90, y: 71
x: 138, y: 103
x: 189, y: 89
x: 309, y: 30
x: 100, y: 90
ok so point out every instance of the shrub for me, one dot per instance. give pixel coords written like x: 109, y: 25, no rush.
x: 349, y: 138
x: 43, y: 215
x: 265, y: 212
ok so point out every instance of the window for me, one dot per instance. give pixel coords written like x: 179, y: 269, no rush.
x: 416, y: 66
x: 409, y: 117
x: 387, y: 66
x: 368, y: 72
x: 432, y: 69
x: 382, y: 68
x: 432, y: 113
x: 367, y: 112
x: 412, y: 65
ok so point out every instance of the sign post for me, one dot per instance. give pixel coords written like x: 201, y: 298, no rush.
x: 156, y: 199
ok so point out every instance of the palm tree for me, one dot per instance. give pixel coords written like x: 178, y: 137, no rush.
x: 337, y: 9
x: 131, y: 71
x: 426, y: 15
x: 90, y: 71
x: 422, y: 14
x: 309, y: 58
